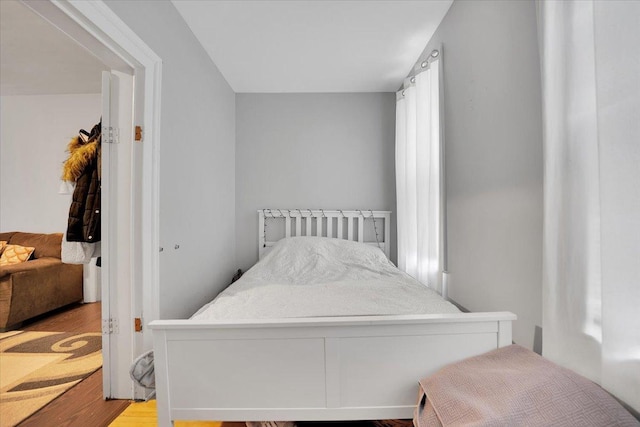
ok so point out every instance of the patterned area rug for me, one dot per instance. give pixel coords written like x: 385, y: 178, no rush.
x: 37, y: 367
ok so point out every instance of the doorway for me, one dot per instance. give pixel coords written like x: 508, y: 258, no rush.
x: 130, y: 259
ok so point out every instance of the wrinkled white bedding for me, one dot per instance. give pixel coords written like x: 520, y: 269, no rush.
x: 317, y: 277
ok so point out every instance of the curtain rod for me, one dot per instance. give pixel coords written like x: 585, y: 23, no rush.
x: 435, y: 53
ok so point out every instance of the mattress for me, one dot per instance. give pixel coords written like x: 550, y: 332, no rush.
x: 319, y: 277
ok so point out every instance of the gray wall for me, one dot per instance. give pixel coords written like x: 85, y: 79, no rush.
x: 311, y: 151
x: 197, y: 194
x: 493, y: 149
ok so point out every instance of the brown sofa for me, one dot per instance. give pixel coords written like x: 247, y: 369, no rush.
x: 39, y: 285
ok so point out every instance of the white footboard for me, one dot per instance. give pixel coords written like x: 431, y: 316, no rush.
x: 334, y: 368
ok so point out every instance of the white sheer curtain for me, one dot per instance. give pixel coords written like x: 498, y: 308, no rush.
x: 590, y: 56
x: 418, y: 178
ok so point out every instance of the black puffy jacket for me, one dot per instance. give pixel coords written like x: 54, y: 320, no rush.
x: 83, y: 168
x: 84, y: 213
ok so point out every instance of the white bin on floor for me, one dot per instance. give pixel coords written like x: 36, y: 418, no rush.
x: 92, y: 284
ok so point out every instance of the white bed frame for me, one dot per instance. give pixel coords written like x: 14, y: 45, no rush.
x: 327, y: 223
x: 305, y: 369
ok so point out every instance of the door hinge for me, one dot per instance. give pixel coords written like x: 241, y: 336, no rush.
x: 112, y: 136
x: 137, y: 324
x: 138, y: 134
x: 109, y: 326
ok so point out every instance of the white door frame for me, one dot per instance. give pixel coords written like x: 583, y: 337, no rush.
x: 95, y: 26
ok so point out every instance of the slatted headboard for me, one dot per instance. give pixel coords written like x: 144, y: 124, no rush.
x: 365, y: 226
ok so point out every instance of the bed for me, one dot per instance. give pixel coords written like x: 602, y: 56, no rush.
x: 322, y: 328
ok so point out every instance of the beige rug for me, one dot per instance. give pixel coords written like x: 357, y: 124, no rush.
x: 37, y: 367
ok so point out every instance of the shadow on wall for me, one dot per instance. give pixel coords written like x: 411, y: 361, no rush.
x: 537, y: 340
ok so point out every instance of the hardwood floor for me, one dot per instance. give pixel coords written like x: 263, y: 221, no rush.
x: 143, y: 414
x: 76, y: 318
x: 82, y: 405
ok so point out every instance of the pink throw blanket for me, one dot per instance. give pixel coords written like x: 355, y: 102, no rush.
x: 512, y: 386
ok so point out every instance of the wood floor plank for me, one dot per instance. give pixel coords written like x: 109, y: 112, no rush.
x: 81, y: 406
x: 77, y: 318
x: 144, y: 414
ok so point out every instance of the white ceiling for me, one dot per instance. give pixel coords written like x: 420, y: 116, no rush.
x: 38, y: 59
x: 313, y: 46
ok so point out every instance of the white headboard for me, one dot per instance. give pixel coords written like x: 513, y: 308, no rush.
x: 337, y: 224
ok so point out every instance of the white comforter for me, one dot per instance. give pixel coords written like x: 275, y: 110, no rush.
x: 317, y: 276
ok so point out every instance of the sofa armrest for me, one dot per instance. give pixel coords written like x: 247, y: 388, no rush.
x: 34, y: 264
x: 37, y: 287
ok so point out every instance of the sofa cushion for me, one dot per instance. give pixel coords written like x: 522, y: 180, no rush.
x: 47, y: 245
x: 15, y: 254
x: 34, y: 264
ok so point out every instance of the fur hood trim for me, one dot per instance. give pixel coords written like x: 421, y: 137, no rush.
x: 81, y: 154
